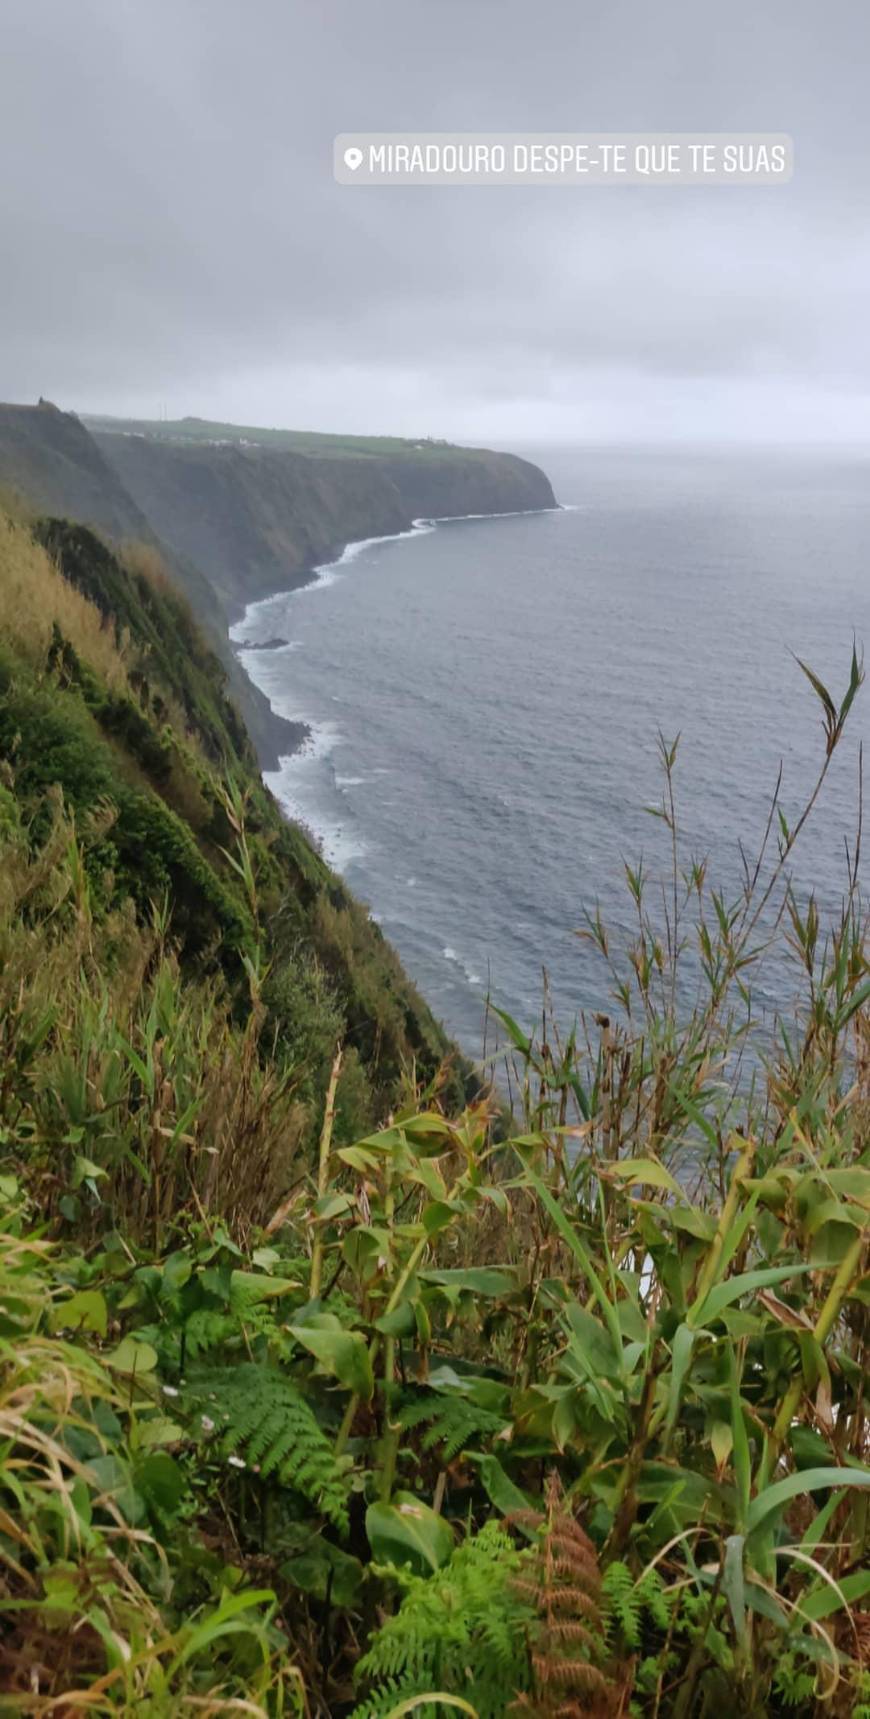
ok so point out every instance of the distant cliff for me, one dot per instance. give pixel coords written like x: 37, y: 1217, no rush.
x: 239, y: 513
x: 259, y: 516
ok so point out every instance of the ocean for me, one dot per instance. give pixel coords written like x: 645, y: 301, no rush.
x: 484, y: 698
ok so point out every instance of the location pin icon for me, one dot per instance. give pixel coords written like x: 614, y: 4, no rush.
x: 353, y: 158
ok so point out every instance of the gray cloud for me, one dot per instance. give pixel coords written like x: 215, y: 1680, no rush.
x: 171, y: 234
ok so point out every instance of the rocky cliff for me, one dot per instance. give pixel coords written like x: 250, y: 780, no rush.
x: 240, y: 513
x: 52, y: 464
x: 259, y: 516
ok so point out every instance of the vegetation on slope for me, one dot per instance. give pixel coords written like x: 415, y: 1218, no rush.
x: 109, y: 696
x: 321, y: 1398
x: 51, y: 465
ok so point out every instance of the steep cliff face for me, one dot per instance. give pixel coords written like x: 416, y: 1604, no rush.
x: 51, y: 462
x: 238, y: 514
x: 259, y: 517
x: 49, y: 459
x: 477, y: 482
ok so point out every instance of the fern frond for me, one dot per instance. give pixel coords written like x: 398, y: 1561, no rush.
x: 205, y: 1329
x: 626, y: 1602
x: 570, y: 1677
x: 454, y: 1421
x: 264, y: 1419
x: 462, y: 1630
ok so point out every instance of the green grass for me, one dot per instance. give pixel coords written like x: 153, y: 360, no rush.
x: 203, y: 430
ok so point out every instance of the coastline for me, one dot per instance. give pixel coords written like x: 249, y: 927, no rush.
x: 320, y: 575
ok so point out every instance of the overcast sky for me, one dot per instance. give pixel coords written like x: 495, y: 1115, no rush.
x: 172, y: 237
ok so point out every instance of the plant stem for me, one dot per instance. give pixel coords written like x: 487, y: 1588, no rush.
x: 821, y: 1331
x: 323, y: 1175
x: 742, y: 1170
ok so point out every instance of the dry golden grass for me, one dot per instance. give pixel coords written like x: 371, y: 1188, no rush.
x: 33, y: 595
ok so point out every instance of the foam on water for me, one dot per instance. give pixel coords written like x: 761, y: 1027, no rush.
x: 485, y: 703
x: 301, y: 785
x: 450, y: 955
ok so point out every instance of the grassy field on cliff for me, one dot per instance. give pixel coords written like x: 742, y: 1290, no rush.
x: 318, y: 1394
x: 207, y: 430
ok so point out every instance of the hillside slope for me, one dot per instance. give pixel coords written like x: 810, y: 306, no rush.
x: 51, y: 463
x: 111, y: 699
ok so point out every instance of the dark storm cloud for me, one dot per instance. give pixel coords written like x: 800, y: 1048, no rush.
x: 171, y: 234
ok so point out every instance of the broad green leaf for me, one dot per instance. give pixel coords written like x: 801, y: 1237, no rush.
x: 437, y: 1216
x: 326, y: 1572
x: 345, y: 1354
x: 357, y: 1159
x: 160, y: 1480
x: 518, y: 1038
x: 265, y: 1258
x: 84, y: 1311
x: 428, y: 1134
x: 176, y: 1273
x: 223, y: 1239
x: 722, y: 1294
x: 822, y: 1601
x: 782, y: 1492
x: 643, y: 1171
x: 158, y: 1430
x: 570, y: 1235
x: 497, y: 1484
x: 740, y: 1442
x: 702, y: 1225
x: 733, y: 1584
x: 333, y: 1206
x: 832, y: 1212
x: 248, y: 1288
x: 491, y: 1281
x: 721, y: 1442
x: 740, y: 1322
x: 364, y: 1248
x: 681, y: 1360
x: 692, y: 1492
x: 407, y: 1532
x: 132, y: 1357
x: 400, y: 1323
x: 85, y: 1170
x: 854, y: 1183
x: 591, y: 1343
x: 226, y: 1620
x: 112, y: 1476
x: 833, y: 1241
x: 62, y: 1590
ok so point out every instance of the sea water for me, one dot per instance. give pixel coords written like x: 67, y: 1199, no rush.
x: 484, y: 698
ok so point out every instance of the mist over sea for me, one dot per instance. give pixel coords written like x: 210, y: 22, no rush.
x: 484, y: 699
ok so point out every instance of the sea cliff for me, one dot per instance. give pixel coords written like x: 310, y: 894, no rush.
x: 237, y: 513
x: 260, y: 515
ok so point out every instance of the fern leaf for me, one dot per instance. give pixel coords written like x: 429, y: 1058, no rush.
x: 267, y: 1423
